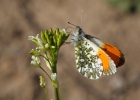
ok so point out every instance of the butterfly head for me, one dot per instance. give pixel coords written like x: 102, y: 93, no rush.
x: 79, y: 31
x: 78, y: 34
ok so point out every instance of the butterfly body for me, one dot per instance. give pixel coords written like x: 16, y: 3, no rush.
x: 94, y: 57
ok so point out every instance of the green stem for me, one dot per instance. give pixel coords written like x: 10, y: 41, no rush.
x: 55, y: 82
x: 47, y: 98
x: 46, y: 73
x: 57, y: 95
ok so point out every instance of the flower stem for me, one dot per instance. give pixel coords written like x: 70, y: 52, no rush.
x: 46, y: 73
x: 47, y: 98
x: 55, y: 82
x: 57, y: 95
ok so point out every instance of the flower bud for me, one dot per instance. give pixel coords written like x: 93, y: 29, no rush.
x: 35, y: 52
x: 42, y: 82
x: 42, y: 34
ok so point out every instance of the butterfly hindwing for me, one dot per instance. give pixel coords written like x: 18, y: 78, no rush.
x: 92, y: 61
x: 87, y: 60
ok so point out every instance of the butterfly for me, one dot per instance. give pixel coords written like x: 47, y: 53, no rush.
x: 94, y: 57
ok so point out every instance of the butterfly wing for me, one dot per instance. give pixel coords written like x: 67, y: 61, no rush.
x: 115, y: 54
x: 92, y: 61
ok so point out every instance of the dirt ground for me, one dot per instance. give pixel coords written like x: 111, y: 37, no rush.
x: 21, y: 18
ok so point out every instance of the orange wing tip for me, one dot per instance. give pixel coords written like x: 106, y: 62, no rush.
x: 112, y: 68
x: 109, y: 66
x: 115, y: 54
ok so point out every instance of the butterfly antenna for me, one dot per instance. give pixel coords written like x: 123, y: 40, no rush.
x: 71, y: 24
x: 81, y: 18
x: 68, y: 27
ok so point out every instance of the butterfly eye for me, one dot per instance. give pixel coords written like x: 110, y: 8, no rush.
x: 79, y: 30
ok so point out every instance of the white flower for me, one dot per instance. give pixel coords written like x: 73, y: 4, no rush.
x: 63, y: 31
x: 34, y: 39
x: 35, y: 61
x: 54, y: 80
x: 54, y: 76
x: 37, y: 40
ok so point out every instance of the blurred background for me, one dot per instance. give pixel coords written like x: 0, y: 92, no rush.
x: 114, y: 21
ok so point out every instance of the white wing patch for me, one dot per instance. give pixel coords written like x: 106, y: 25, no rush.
x: 87, y: 61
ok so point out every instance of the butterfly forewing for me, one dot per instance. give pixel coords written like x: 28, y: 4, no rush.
x: 114, y: 53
